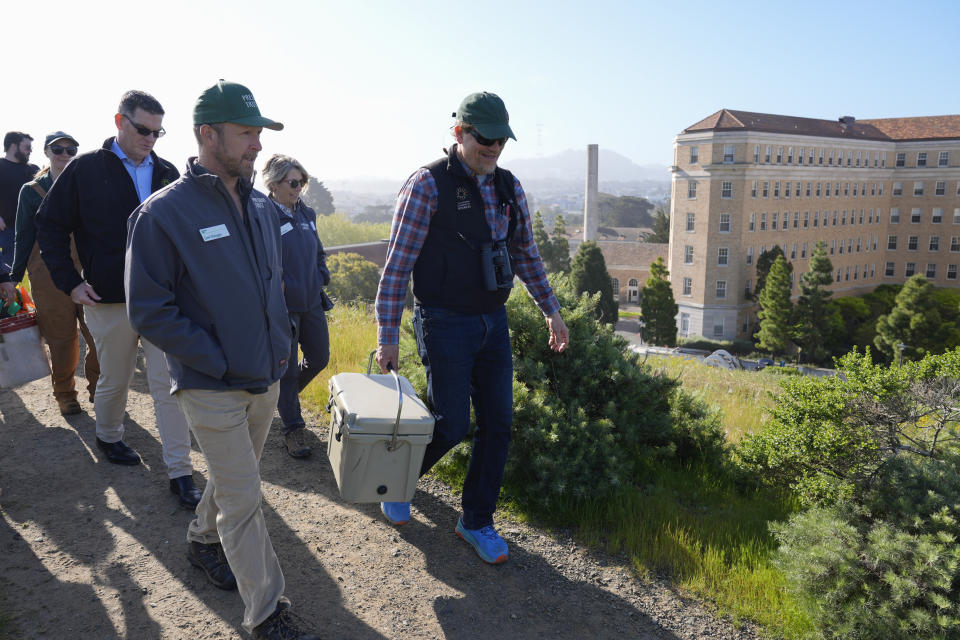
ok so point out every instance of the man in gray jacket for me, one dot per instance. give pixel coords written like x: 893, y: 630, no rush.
x: 203, y: 283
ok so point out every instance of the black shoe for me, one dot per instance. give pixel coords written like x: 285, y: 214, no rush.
x: 189, y: 494
x: 118, y: 452
x: 210, y: 558
x: 280, y: 626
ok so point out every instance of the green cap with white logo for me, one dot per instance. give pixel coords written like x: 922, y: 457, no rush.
x: 230, y: 102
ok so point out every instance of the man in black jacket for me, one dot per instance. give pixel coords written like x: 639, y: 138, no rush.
x: 91, y: 201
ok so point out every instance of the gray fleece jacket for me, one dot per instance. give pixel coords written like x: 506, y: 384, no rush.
x: 205, y: 287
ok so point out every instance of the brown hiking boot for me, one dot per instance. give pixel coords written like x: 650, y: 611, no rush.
x: 68, y: 405
x: 295, y: 444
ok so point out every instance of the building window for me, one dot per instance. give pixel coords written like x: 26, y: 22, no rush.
x: 827, y: 193
x: 723, y: 256
x: 687, y: 286
x: 834, y: 218
x: 833, y: 247
x: 746, y: 287
x: 955, y: 244
x: 910, y: 269
x: 854, y: 190
x: 819, y: 190
x: 895, y: 215
x: 615, y: 283
x: 796, y: 219
x: 776, y: 220
x: 901, y: 159
x: 718, y: 328
x: 956, y: 216
x: 821, y: 156
x: 763, y: 222
x: 934, y: 243
x: 776, y: 189
x: 880, y: 189
x: 766, y: 189
x: 753, y: 190
x: 915, y: 214
x: 749, y: 255
x: 840, y: 158
x: 941, y: 188
x: 931, y: 270
x: 726, y: 189
x: 721, y: 289
x: 951, y: 272
x: 937, y: 215
x: 811, y: 155
x: 856, y: 272
x: 898, y: 188
x: 793, y: 252
x: 859, y: 155
x: 766, y: 156
x: 756, y: 154
x: 724, y: 223
x: 891, y: 243
x: 944, y: 159
x: 889, y: 269
x: 684, y: 324
x: 843, y: 219
x: 728, y: 150
x: 786, y: 190
x: 846, y: 189
x: 847, y: 274
x: 694, y: 155
x: 790, y: 155
x: 830, y: 162
x: 816, y: 219
x: 921, y: 158
x: 918, y: 188
x: 779, y: 155
x: 797, y: 192
x: 803, y: 250
x: 808, y: 189
x: 912, y: 242
x: 688, y: 254
x: 800, y: 156
x: 753, y: 222
x: 691, y: 220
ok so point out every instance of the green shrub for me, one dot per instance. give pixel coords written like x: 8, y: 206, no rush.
x: 736, y: 347
x: 888, y: 568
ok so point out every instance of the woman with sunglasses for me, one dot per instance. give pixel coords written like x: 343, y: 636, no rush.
x: 57, y: 315
x: 305, y: 274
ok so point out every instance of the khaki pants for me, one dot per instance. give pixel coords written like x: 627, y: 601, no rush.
x: 117, y: 349
x: 231, y: 427
x: 57, y: 319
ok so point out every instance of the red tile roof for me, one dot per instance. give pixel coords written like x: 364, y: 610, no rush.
x: 922, y: 128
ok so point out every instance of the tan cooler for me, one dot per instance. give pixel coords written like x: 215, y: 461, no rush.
x: 22, y: 356
x: 379, y: 430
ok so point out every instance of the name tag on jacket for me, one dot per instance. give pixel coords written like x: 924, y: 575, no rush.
x: 286, y: 228
x: 214, y: 233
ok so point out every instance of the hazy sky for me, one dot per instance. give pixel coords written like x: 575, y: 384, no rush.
x: 366, y: 88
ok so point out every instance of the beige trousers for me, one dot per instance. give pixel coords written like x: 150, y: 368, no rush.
x: 117, y: 351
x: 231, y: 427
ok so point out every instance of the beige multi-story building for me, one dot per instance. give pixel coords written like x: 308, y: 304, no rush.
x: 884, y: 195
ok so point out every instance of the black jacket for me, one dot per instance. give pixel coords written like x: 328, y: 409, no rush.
x: 92, y: 200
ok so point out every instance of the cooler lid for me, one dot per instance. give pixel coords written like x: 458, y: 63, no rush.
x: 368, y: 405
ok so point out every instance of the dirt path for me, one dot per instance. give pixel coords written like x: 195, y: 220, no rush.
x: 95, y: 551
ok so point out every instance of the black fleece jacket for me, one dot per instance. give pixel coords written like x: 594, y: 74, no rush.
x: 92, y: 200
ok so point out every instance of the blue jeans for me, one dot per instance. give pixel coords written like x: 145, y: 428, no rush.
x: 468, y: 357
x: 7, y: 237
x: 312, y: 336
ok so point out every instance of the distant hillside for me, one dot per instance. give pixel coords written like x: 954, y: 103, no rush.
x: 572, y: 165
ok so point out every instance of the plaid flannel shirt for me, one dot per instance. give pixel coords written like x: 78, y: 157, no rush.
x: 416, y: 204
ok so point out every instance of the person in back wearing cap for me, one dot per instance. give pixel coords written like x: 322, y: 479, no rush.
x: 203, y: 283
x: 90, y: 203
x: 462, y: 228
x: 57, y: 315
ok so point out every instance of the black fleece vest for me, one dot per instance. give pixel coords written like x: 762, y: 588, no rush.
x: 448, y: 271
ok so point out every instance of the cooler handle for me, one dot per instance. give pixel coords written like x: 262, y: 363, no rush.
x: 396, y: 425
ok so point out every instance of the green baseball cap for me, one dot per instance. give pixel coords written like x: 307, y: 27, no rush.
x: 59, y: 135
x: 487, y: 113
x: 230, y: 102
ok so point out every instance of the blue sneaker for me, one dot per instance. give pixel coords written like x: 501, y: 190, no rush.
x: 485, y: 541
x: 397, y: 513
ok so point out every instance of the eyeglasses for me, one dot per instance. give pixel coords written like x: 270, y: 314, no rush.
x: 144, y: 131
x: 57, y: 149
x: 296, y: 183
x: 486, y: 142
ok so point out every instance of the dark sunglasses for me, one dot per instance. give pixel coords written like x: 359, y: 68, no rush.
x: 296, y: 183
x: 56, y: 150
x: 486, y: 142
x: 144, y: 131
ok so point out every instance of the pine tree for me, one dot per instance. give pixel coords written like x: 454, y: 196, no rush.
x: 318, y: 197
x: 764, y: 261
x: 659, y: 307
x: 560, y: 255
x: 661, y: 225
x: 776, y: 311
x: 812, y: 306
x: 589, y: 275
x: 914, y: 322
